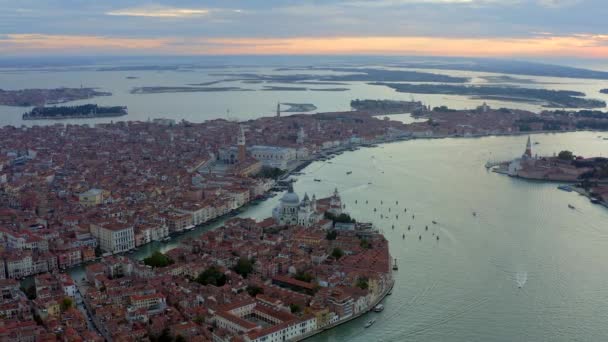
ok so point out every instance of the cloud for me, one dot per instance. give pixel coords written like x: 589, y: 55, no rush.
x: 156, y: 11
x: 396, y: 3
x: 579, y: 45
x: 558, y: 3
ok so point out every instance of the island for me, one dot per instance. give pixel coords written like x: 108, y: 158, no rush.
x: 589, y: 176
x: 549, y: 98
x: 87, y: 111
x: 41, y: 97
x: 298, y: 107
x: 386, y: 106
x: 273, y: 88
x: 161, y: 90
x: 349, y: 75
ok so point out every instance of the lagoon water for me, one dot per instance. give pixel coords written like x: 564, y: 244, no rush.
x: 466, y: 286
x: 243, y: 105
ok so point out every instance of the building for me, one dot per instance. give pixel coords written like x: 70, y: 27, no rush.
x: 114, y: 237
x: 91, y: 197
x: 518, y: 164
x: 274, y: 156
x: 291, y: 211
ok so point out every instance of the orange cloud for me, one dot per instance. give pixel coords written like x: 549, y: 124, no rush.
x: 580, y: 45
x: 22, y: 43
x: 574, y: 46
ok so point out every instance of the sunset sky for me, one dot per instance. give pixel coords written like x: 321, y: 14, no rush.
x: 480, y: 28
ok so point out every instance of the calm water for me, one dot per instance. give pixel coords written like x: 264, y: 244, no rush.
x: 241, y: 105
x: 465, y: 287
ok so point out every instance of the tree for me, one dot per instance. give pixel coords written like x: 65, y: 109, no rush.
x: 337, y: 253
x: 565, y: 155
x: 254, y: 290
x: 180, y: 338
x: 363, y: 283
x: 342, y: 218
x: 295, y: 308
x: 365, y: 244
x: 98, y: 251
x: 243, y: 267
x: 303, y: 276
x: 158, y: 259
x: 66, y: 303
x: 30, y: 292
x: 331, y: 235
x: 212, y: 276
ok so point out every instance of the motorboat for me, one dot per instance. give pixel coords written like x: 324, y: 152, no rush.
x: 317, y: 180
x: 378, y: 308
x: 370, y: 323
x: 348, y: 172
x: 434, y: 222
x: 571, y: 206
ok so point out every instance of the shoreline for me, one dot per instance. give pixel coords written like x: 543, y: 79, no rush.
x: 369, y: 309
x: 321, y: 156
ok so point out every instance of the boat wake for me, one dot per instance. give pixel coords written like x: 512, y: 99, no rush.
x: 521, y: 278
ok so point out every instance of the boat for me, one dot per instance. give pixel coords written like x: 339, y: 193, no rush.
x: 434, y: 222
x: 317, y: 180
x: 595, y: 200
x: 190, y: 228
x: 474, y: 213
x: 395, y: 267
x: 536, y: 143
x: 378, y: 308
x: 571, y: 206
x: 348, y: 172
x: 370, y: 323
x: 566, y: 188
x: 167, y: 239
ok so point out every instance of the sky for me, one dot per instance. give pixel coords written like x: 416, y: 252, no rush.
x: 472, y: 28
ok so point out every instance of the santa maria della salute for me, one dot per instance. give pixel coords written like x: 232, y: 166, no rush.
x: 308, y: 211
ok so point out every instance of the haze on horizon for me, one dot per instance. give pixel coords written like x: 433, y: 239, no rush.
x: 471, y: 28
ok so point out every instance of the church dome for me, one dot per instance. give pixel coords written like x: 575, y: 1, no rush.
x: 290, y: 198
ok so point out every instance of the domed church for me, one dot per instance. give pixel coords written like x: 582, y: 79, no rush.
x: 292, y: 211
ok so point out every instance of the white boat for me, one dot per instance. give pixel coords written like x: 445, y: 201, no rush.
x: 370, y: 323
x: 379, y: 308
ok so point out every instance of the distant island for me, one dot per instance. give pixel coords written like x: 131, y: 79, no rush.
x: 272, y: 88
x: 386, y: 106
x: 508, y: 79
x: 74, y: 112
x: 160, y: 90
x: 41, y: 97
x: 298, y: 107
x: 351, y: 75
x: 549, y: 98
